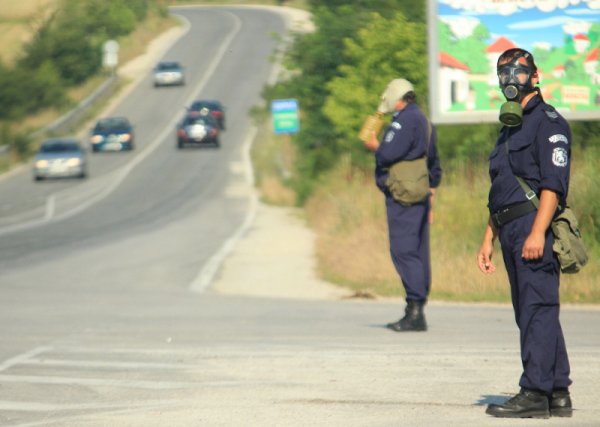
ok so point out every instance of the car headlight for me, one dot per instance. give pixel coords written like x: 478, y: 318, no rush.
x: 41, y: 164
x: 95, y: 139
x: 124, y: 137
x: 74, y: 161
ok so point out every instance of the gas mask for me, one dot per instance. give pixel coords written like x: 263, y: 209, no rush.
x: 515, y: 82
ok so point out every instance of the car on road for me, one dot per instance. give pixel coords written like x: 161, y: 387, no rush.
x: 168, y: 73
x: 112, y: 134
x: 60, y: 158
x: 198, y: 128
x: 214, y: 107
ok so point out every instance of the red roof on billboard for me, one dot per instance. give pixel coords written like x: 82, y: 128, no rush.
x: 593, y: 55
x: 580, y: 37
x: 500, y: 45
x: 450, y: 61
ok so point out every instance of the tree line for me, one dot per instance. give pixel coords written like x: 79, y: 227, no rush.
x: 342, y: 68
x: 65, y: 51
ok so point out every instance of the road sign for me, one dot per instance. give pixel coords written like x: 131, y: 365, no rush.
x: 285, y: 115
x: 110, y: 50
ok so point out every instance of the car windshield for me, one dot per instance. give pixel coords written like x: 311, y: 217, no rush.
x: 198, y: 105
x: 111, y: 123
x: 59, y: 147
x: 168, y: 66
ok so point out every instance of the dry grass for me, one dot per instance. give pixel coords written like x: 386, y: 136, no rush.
x: 273, y: 157
x: 17, y: 24
x: 348, y: 215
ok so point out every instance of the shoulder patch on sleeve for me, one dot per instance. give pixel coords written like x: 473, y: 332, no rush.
x: 558, y: 138
x: 560, y: 157
x: 396, y: 125
x: 389, y: 136
x: 551, y: 113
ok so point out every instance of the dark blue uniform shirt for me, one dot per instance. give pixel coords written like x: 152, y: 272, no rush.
x: 540, y: 152
x: 405, y: 138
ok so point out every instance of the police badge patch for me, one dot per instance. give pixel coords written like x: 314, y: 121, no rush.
x: 560, y: 157
x: 389, y: 136
x: 396, y: 125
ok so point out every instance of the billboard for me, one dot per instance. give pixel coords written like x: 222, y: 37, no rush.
x: 466, y: 37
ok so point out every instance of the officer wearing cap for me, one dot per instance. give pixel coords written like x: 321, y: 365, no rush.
x: 534, y: 145
x: 409, y: 136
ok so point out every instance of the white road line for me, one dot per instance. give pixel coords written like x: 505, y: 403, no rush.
x: 50, y: 205
x: 21, y: 358
x: 140, y: 384
x: 210, y: 268
x: 100, y: 382
x: 101, y: 364
x: 8, y: 405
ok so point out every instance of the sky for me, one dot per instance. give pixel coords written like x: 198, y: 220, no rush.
x: 521, y: 21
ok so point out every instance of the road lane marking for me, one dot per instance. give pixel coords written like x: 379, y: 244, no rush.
x: 50, y: 205
x: 21, y: 358
x: 9, y: 405
x: 100, y: 382
x: 212, y: 266
x: 100, y: 364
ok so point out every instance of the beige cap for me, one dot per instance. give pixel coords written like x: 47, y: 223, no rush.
x: 394, y: 91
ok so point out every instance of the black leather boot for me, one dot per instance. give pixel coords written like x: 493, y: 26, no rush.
x: 560, y: 404
x: 413, y: 320
x: 526, y: 404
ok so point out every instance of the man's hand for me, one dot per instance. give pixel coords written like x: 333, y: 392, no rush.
x: 431, y: 195
x: 372, y: 143
x: 484, y: 257
x: 533, y: 248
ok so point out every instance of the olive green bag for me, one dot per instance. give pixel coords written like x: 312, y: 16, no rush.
x: 568, y: 244
x: 408, y: 180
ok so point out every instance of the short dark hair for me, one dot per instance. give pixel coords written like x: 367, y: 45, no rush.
x: 409, y: 97
x: 515, y: 53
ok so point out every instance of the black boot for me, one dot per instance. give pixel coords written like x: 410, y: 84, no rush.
x: 526, y: 404
x: 413, y: 320
x: 560, y: 404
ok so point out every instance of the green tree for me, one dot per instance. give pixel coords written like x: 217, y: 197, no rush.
x: 372, y: 62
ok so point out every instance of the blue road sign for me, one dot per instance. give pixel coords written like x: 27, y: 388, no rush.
x: 285, y: 115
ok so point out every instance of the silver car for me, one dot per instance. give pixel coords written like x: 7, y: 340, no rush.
x: 168, y: 73
x: 58, y: 158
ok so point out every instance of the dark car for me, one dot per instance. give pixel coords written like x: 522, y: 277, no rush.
x: 198, y: 128
x: 215, y: 108
x: 59, y: 158
x: 112, y: 134
x: 168, y: 73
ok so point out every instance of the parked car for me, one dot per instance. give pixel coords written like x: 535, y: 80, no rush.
x: 59, y: 157
x: 112, y: 134
x: 215, y: 108
x: 198, y: 128
x: 169, y: 73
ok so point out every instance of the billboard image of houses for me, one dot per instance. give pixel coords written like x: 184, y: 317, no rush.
x: 466, y: 37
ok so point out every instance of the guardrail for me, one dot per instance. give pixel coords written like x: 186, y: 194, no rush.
x: 67, y: 120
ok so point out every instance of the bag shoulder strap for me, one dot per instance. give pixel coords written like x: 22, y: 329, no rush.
x: 529, y: 193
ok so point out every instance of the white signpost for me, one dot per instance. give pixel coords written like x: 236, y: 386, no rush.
x: 110, y: 58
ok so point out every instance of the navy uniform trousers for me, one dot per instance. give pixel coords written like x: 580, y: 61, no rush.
x: 534, y: 287
x: 408, y: 229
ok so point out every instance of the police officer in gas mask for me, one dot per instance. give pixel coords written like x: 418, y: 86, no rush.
x: 531, y: 159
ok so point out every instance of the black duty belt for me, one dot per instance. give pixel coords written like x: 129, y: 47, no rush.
x: 504, y: 216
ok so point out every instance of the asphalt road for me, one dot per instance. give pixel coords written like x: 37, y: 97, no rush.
x: 101, y: 323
